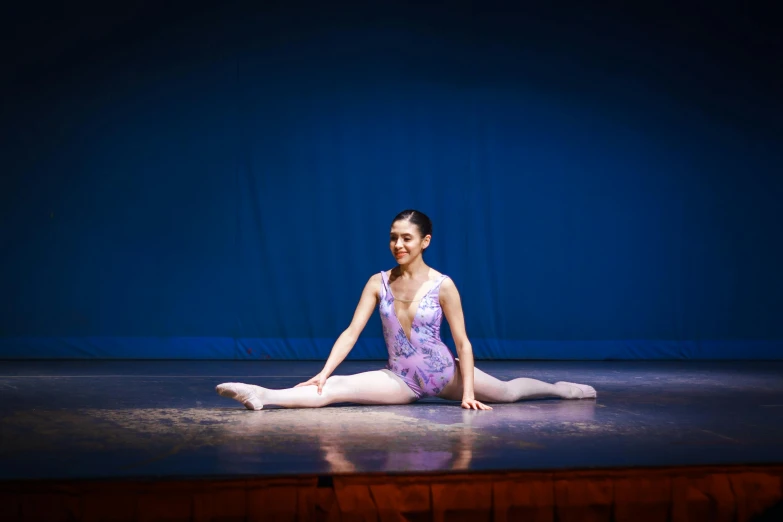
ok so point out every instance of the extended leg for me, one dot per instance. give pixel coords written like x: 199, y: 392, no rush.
x: 490, y: 389
x: 376, y: 387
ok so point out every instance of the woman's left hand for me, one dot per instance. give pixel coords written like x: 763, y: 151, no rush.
x: 473, y: 404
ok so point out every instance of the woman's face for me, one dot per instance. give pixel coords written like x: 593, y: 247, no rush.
x: 405, y: 241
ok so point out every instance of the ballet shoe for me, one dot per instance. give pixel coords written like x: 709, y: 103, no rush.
x: 240, y: 392
x: 584, y: 391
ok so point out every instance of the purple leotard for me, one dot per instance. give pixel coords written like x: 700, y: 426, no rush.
x: 423, y: 362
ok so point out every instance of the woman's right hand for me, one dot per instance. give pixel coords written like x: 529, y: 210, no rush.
x: 319, y: 380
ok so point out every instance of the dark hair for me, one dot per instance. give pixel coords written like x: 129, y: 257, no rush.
x: 419, y: 219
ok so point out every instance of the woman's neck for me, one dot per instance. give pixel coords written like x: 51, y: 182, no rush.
x: 414, y: 270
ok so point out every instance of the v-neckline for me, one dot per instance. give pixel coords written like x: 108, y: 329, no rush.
x: 415, y: 314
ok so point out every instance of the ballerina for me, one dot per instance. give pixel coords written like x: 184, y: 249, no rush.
x: 412, y: 299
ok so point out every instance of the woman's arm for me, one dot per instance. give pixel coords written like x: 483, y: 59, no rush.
x: 345, y: 343
x: 452, y: 309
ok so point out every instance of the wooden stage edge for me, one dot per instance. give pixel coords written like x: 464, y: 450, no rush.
x: 710, y: 493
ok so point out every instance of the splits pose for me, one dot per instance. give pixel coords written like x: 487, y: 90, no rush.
x: 413, y: 299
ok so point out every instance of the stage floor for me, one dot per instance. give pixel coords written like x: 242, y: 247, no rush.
x: 94, y: 420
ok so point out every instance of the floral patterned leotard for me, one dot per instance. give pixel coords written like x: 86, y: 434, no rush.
x: 423, y: 361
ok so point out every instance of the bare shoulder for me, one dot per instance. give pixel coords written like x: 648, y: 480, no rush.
x: 448, y: 286
x: 374, y: 283
x: 448, y: 294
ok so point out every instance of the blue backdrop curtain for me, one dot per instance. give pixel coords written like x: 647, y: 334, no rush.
x: 221, y: 185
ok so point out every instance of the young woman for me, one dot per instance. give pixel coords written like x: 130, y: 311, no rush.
x: 413, y: 299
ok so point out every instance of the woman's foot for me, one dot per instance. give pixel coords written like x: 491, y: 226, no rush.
x: 248, y: 394
x: 576, y: 391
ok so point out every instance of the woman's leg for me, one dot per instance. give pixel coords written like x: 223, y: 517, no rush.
x: 490, y: 389
x: 377, y: 387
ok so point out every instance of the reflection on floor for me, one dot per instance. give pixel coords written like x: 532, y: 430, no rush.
x: 139, y: 419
